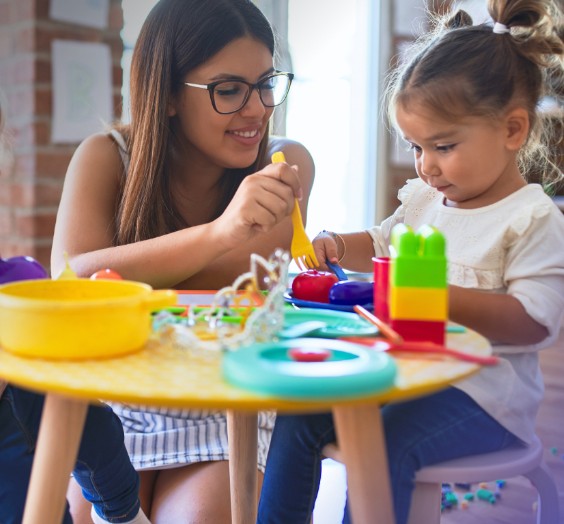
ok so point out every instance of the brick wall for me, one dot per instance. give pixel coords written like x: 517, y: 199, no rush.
x: 32, y: 168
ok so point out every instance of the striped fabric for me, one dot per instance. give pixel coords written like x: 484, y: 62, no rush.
x: 158, y: 438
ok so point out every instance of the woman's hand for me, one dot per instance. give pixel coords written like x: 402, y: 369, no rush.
x: 261, y: 202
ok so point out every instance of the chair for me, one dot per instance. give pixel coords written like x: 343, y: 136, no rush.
x: 516, y: 460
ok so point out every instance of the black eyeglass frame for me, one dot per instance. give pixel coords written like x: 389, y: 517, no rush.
x: 211, y: 89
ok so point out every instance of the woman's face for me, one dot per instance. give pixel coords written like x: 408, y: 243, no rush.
x: 227, y: 141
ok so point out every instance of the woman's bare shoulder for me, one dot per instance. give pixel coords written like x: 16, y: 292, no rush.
x: 295, y: 153
x: 288, y: 146
x: 98, y: 155
x: 99, y: 143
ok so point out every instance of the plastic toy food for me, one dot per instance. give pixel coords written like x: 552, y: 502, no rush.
x: 351, y: 292
x: 106, y: 274
x: 313, y: 285
x: 20, y: 268
x: 309, y: 354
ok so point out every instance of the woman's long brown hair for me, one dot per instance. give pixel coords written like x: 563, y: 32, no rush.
x: 177, y: 36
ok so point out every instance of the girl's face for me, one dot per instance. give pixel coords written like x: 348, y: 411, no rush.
x: 226, y: 141
x: 471, y: 162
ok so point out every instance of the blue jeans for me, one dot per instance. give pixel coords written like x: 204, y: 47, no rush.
x: 103, y: 469
x: 418, y: 433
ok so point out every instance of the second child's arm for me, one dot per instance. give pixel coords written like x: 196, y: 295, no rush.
x: 499, y: 317
x: 353, y: 251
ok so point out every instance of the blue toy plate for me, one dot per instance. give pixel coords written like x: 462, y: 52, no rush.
x: 352, y: 370
x: 288, y: 297
x: 339, y: 323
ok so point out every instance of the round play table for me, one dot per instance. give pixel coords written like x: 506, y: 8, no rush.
x: 163, y: 374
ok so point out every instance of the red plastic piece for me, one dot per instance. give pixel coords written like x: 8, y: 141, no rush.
x: 420, y: 330
x: 309, y: 354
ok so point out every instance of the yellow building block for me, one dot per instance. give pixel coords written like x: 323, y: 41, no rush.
x: 416, y: 303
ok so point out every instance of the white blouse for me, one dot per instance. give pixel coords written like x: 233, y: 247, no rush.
x: 513, y: 246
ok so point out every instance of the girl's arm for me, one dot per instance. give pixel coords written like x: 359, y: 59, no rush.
x: 85, y: 225
x: 499, y: 317
x: 353, y: 251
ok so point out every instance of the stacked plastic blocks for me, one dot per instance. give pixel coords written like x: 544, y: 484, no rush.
x: 418, y: 284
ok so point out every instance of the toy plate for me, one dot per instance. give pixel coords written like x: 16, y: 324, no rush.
x: 289, y: 297
x: 351, y: 370
x: 339, y: 323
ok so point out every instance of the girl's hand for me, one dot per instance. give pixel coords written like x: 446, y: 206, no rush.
x: 261, y: 202
x: 325, y: 247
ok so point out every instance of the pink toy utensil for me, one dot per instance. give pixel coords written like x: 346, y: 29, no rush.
x: 382, y: 344
x: 393, y: 336
x: 396, y: 342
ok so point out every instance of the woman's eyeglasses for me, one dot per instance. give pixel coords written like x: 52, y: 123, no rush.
x: 230, y: 96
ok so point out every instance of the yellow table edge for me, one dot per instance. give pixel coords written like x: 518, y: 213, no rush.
x: 170, y: 379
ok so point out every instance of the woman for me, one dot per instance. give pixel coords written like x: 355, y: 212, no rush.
x: 179, y: 199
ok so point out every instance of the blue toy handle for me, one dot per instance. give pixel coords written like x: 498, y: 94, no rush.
x: 338, y: 270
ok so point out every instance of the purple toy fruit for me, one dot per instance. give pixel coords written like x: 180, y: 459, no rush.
x: 20, y: 268
x: 351, y: 292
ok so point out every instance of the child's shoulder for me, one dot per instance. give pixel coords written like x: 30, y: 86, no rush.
x: 415, y: 188
x: 530, y: 205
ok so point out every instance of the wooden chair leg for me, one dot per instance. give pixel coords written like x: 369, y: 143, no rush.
x: 548, y: 510
x: 425, y: 504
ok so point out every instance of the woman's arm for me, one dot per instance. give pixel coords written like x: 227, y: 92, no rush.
x: 85, y: 225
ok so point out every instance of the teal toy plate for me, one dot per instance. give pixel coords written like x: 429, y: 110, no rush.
x: 350, y: 371
x: 338, y: 323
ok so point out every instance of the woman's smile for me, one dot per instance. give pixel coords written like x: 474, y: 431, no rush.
x: 250, y: 136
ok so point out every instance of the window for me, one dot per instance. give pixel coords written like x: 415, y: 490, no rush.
x: 333, y: 107
x: 134, y: 14
x: 334, y: 49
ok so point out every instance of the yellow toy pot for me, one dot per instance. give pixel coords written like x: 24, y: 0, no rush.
x: 77, y: 319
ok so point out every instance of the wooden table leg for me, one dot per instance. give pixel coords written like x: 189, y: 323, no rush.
x: 59, y: 437
x: 363, y: 448
x: 242, y: 432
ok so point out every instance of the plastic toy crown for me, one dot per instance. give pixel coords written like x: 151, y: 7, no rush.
x: 265, y: 317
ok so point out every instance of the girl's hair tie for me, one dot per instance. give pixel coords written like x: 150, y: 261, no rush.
x: 500, y: 29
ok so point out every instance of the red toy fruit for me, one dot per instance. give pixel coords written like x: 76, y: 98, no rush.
x: 107, y: 274
x: 313, y: 285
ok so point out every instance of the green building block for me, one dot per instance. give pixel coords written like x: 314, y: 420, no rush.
x: 418, y: 258
x: 487, y: 495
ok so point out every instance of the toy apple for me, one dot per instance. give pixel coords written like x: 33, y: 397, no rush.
x: 20, y: 268
x: 108, y: 274
x: 313, y: 285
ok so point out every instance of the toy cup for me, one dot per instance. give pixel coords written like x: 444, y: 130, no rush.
x: 381, y: 287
